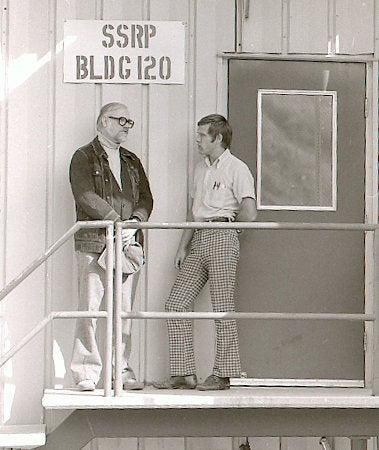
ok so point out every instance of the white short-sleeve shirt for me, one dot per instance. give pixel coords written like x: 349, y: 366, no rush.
x: 219, y: 188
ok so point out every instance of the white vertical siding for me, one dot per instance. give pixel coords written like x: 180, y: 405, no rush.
x: 256, y: 443
x: 322, y: 27
x: 209, y: 443
x: 308, y: 26
x: 357, y: 15
x: 264, y: 443
x: 3, y: 180
x: 300, y: 443
x: 48, y: 120
x: 263, y: 15
x: 73, y: 121
x: 25, y: 172
x: 164, y: 444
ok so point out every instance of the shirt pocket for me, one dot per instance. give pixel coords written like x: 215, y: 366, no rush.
x: 217, y: 195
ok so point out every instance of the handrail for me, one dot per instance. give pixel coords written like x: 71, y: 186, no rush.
x: 142, y: 315
x: 253, y: 226
x: 43, y: 323
x: 44, y: 256
x: 109, y: 226
x: 39, y: 327
x: 119, y: 315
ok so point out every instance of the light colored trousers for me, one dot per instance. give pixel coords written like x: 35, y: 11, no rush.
x: 86, y: 361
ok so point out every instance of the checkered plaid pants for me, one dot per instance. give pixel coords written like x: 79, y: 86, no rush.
x: 213, y: 255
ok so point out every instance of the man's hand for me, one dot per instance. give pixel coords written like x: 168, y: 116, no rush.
x: 128, y: 233
x: 180, y: 257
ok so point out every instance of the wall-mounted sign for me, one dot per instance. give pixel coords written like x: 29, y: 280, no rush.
x: 112, y: 51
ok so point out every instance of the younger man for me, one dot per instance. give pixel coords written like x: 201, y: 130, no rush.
x: 223, y: 192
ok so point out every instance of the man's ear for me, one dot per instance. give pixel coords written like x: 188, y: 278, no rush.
x: 219, y: 138
x: 104, y: 121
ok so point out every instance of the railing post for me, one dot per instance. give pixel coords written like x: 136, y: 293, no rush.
x: 117, y: 312
x: 375, y: 369
x: 109, y: 307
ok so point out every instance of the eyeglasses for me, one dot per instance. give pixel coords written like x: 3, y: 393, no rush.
x: 124, y: 121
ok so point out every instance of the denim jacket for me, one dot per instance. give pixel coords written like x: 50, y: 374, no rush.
x: 98, y: 196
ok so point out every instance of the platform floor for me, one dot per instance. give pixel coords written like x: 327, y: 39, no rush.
x: 236, y: 397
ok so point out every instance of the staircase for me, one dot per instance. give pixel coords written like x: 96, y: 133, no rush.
x: 22, y: 436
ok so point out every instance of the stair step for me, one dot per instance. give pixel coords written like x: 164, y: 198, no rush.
x: 22, y: 436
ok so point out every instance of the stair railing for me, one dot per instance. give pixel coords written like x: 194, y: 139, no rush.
x: 115, y: 308
x: 108, y: 314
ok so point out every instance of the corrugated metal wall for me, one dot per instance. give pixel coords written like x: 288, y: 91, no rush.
x: 43, y: 121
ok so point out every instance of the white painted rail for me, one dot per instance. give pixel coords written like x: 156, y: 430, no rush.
x: 116, y: 320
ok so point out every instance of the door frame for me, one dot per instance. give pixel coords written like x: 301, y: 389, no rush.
x: 371, y: 196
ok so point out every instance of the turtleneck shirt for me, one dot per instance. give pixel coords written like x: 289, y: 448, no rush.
x: 113, y: 152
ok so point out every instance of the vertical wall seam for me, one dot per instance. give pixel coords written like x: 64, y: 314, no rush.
x: 371, y: 211
x: 329, y: 27
x: 98, y: 86
x: 332, y: 27
x: 285, y: 26
x: 49, y: 196
x: 4, y: 128
x: 3, y: 165
x: 239, y: 26
x: 236, y: 25
x: 191, y: 74
x: 376, y: 29
x: 145, y: 156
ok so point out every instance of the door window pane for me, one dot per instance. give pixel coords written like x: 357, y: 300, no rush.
x: 297, y: 136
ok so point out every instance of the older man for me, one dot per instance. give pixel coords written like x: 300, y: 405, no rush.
x: 108, y: 183
x: 223, y: 192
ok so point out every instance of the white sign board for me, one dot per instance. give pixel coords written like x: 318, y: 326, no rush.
x: 113, y: 51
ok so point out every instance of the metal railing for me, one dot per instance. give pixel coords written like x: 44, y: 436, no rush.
x: 119, y: 315
x: 108, y: 314
x: 114, y: 314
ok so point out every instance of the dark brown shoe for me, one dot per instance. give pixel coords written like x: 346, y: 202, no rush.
x: 214, y: 383
x: 177, y: 382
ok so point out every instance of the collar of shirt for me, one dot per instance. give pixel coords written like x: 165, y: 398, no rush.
x: 107, y: 143
x: 219, y: 161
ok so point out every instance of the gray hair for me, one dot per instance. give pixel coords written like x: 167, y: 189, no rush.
x: 106, y: 109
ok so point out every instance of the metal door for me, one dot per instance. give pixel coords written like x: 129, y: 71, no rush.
x: 303, y: 271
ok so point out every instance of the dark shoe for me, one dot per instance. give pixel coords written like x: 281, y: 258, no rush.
x: 177, y: 382
x: 133, y: 385
x: 214, y: 383
x: 129, y: 381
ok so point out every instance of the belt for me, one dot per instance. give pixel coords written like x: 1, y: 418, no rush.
x: 219, y: 219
